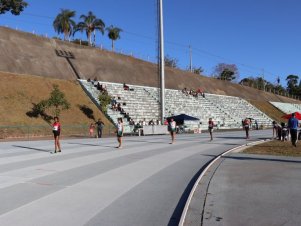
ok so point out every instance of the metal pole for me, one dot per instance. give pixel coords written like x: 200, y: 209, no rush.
x: 190, y: 54
x: 162, y: 75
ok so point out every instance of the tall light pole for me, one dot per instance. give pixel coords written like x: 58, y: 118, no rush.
x: 190, y: 58
x: 161, y: 59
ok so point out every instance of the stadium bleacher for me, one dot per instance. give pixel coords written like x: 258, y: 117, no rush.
x: 143, y: 103
x: 287, y: 108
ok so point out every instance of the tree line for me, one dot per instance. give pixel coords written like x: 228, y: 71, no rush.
x: 64, y: 24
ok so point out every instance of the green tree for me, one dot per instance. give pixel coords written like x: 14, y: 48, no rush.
x: 14, y: 6
x: 249, y: 81
x: 170, y: 62
x: 292, y: 81
x: 55, y: 103
x: 105, y: 100
x: 197, y: 70
x: 113, y: 34
x: 90, y: 24
x: 227, y: 72
x: 64, y: 24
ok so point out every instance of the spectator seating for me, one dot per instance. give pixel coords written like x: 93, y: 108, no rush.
x: 287, y: 108
x: 142, y: 102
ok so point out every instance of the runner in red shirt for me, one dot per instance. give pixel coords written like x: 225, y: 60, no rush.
x: 210, y: 128
x: 56, y: 129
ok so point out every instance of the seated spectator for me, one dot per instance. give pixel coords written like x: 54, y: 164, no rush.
x: 158, y: 122
x: 144, y: 122
x: 113, y: 103
x: 89, y: 80
x: 127, y: 116
x: 119, y: 107
x: 125, y: 87
x: 185, y: 91
x: 131, y: 123
x: 99, y: 86
x: 284, y: 132
x: 122, y: 111
x: 151, y: 123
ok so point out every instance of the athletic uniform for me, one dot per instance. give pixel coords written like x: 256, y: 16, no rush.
x: 247, y: 127
x: 119, y: 130
x: 210, y: 126
x: 56, y: 129
x: 172, y: 126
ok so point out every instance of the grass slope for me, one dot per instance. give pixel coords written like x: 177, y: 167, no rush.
x: 275, y: 148
x: 20, y: 92
x: 269, y: 109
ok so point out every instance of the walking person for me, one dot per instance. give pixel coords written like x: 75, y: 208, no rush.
x: 91, y: 130
x: 99, y: 127
x: 247, y: 127
x: 120, y: 130
x: 293, y: 127
x: 172, y: 129
x: 210, y: 128
x: 56, y: 129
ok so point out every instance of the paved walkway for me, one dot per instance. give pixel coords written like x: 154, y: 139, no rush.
x: 254, y: 190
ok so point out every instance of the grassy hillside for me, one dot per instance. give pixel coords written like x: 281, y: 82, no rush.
x: 269, y: 109
x: 20, y: 92
x: 25, y: 53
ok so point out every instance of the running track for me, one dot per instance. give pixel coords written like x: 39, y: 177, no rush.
x: 93, y: 183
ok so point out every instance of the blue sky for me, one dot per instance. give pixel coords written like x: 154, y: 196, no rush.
x: 256, y: 35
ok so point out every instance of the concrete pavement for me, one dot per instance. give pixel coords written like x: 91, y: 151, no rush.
x: 243, y: 189
x: 93, y: 183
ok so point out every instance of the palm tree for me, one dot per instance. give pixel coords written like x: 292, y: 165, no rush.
x: 63, y: 24
x: 90, y: 24
x: 114, y: 34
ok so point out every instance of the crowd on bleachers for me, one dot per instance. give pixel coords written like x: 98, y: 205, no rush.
x: 192, y: 92
x: 140, y: 106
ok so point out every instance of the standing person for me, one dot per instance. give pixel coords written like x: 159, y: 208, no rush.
x: 119, y: 132
x: 100, y: 126
x: 172, y: 129
x: 256, y: 124
x: 210, y: 128
x: 293, y: 126
x: 56, y: 129
x: 91, y: 130
x: 275, y: 129
x: 247, y: 127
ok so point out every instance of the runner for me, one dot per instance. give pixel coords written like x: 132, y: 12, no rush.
x: 247, y: 127
x: 210, y: 128
x: 172, y: 130
x: 56, y: 129
x: 119, y: 132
